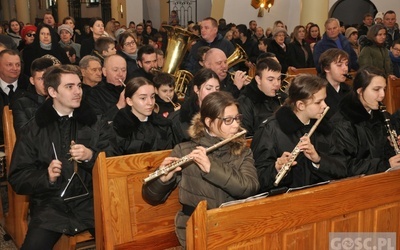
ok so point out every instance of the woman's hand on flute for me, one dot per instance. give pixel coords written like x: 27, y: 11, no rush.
x: 167, y: 161
x: 199, y: 156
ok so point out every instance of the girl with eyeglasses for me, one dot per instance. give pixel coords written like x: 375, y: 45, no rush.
x: 222, y: 175
x: 275, y: 140
x: 137, y: 128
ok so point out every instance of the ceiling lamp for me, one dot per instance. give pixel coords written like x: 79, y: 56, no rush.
x: 261, y: 5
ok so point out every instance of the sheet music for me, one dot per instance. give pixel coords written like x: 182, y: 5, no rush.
x: 307, y: 186
x: 251, y: 198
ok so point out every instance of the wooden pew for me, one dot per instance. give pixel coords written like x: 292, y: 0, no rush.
x: 123, y: 219
x: 121, y: 214
x: 311, y: 71
x: 16, y: 222
x: 392, y: 97
x: 302, y: 219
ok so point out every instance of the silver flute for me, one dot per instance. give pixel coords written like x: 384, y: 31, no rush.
x: 296, y: 151
x: 391, y: 132
x: 168, y: 168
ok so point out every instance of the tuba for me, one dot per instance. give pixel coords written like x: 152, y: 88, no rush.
x: 238, y: 56
x: 178, y: 43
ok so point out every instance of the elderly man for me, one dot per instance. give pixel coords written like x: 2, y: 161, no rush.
x: 389, y: 21
x: 215, y: 59
x: 211, y: 38
x: 108, y: 96
x: 334, y: 39
x: 91, y: 70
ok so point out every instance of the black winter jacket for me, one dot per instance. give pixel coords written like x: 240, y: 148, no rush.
x: 24, y: 108
x: 134, y: 136
x: 297, y: 58
x: 32, y: 155
x: 281, y: 133
x: 103, y: 99
x: 359, y: 139
x: 256, y: 107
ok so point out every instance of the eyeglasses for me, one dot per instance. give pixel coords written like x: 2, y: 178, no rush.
x: 130, y: 43
x: 396, y: 49
x: 31, y: 34
x: 229, y: 120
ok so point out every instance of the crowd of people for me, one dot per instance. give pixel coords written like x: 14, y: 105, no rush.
x: 74, y: 94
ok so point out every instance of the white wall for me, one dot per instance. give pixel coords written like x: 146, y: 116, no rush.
x: 134, y: 11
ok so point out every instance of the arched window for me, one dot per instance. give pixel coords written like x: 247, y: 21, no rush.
x: 351, y: 12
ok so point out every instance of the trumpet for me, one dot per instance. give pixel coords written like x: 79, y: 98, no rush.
x: 248, y: 78
x: 348, y: 76
x: 391, y: 132
x: 185, y: 159
x: 296, y: 151
x: 177, y: 106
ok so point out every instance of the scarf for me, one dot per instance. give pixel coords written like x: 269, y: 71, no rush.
x: 45, y: 46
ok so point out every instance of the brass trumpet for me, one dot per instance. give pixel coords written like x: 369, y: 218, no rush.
x: 177, y: 106
x: 248, y: 78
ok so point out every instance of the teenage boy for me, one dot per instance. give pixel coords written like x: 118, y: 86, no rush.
x: 103, y: 47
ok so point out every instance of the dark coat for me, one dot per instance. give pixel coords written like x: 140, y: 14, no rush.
x: 256, y: 107
x: 182, y: 118
x: 32, y: 155
x: 134, y: 136
x: 87, y: 45
x: 281, y: 133
x: 326, y: 43
x: 227, y: 85
x: 166, y: 108
x: 24, y: 108
x: 280, y: 54
x: 359, y: 139
x: 131, y: 65
x: 296, y: 57
x: 103, y: 99
x: 23, y: 83
x: 377, y: 56
x: 333, y: 97
x: 192, y: 63
x: 231, y: 177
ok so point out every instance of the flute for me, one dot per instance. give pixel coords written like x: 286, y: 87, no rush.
x: 185, y: 159
x: 296, y: 151
x: 392, y: 132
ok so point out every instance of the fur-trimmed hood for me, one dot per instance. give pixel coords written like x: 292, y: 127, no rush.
x: 125, y: 122
x: 353, y: 110
x: 197, y: 131
x: 289, y: 123
x: 46, y: 114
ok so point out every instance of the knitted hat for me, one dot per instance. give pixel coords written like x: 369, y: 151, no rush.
x: 350, y: 31
x: 118, y: 32
x: 65, y: 27
x: 278, y: 30
x: 27, y: 29
x: 379, y: 15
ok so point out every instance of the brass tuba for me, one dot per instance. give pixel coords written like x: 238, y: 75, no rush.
x: 178, y: 43
x: 238, y: 56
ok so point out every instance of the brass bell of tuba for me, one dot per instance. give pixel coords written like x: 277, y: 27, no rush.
x: 238, y: 56
x: 178, y: 43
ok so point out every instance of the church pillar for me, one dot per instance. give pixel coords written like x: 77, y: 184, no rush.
x: 315, y: 11
x: 22, y: 11
x: 62, y: 9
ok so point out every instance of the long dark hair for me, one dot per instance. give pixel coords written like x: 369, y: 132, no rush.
x: 364, y: 77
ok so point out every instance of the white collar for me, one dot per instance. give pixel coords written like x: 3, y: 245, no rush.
x: 5, y: 88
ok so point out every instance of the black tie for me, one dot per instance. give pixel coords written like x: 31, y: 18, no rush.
x: 11, y: 92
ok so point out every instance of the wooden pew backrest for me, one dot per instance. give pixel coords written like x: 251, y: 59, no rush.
x: 123, y: 219
x: 121, y: 214
x: 311, y: 71
x: 16, y: 222
x: 302, y: 219
x: 392, y: 97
